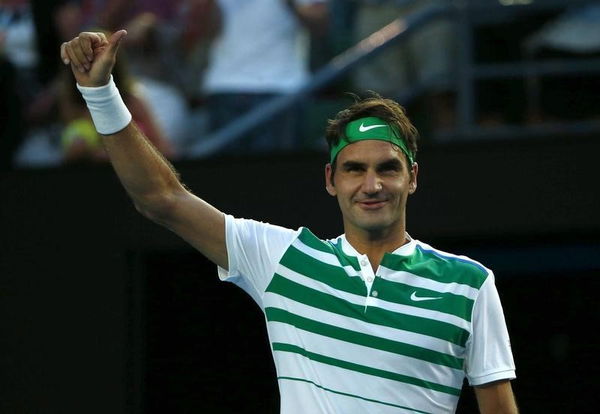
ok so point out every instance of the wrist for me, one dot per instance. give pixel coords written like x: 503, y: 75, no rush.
x: 88, y: 83
x: 106, y: 106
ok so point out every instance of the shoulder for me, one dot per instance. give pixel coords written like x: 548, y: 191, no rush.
x: 452, y: 267
x: 309, y: 239
x: 250, y: 226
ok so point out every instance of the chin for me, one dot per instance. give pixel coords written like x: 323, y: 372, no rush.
x: 374, y: 225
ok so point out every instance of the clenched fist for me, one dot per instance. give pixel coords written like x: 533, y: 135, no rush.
x: 92, y: 56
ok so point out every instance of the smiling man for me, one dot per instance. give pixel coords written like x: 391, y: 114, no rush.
x: 370, y: 322
x: 376, y: 173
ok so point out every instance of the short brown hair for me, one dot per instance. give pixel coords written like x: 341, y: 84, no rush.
x: 374, y: 105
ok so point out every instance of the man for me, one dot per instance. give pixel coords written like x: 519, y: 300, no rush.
x: 273, y: 61
x: 371, y: 322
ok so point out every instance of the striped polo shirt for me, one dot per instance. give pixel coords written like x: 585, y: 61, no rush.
x: 346, y: 339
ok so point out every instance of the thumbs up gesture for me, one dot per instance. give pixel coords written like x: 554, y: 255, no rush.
x: 92, y: 56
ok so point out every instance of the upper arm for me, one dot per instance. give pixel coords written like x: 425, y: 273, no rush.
x: 489, y: 362
x: 254, y: 250
x: 158, y: 194
x: 488, y: 355
x: 198, y: 223
x: 496, y: 398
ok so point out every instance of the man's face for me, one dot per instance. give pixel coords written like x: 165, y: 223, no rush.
x: 372, y: 181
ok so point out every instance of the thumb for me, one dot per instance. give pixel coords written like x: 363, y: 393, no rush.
x: 115, y: 40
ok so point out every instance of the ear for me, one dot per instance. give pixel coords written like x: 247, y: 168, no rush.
x: 329, y: 186
x: 412, y: 185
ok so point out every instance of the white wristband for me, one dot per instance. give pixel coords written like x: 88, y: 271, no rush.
x: 109, y: 113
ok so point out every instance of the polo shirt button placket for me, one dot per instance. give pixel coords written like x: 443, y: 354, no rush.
x: 368, y: 277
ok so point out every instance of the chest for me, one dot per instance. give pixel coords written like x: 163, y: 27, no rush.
x: 338, y: 294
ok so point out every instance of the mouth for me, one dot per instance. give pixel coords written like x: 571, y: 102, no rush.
x: 371, y: 204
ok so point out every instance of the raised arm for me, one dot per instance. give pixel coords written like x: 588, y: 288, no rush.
x: 147, y: 176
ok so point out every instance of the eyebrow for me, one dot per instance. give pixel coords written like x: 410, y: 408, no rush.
x: 353, y: 164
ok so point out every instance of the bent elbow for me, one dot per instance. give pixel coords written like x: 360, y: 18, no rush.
x: 159, y: 209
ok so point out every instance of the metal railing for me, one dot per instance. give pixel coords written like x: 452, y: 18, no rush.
x: 465, y: 14
x: 471, y: 13
x: 376, y: 43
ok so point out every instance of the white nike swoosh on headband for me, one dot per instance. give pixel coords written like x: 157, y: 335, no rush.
x: 363, y: 128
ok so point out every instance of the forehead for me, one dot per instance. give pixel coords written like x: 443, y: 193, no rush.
x: 370, y: 151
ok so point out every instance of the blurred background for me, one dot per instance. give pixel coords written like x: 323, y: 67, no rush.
x: 101, y: 311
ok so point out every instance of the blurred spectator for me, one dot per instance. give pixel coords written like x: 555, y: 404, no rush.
x: 59, y: 103
x: 108, y: 14
x: 18, y: 80
x: 425, y: 57
x: 261, y: 52
x: 18, y: 40
x: 573, y: 35
x: 167, y: 44
x: 161, y: 34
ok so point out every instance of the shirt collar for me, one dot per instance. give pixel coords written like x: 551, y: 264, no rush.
x: 406, y: 249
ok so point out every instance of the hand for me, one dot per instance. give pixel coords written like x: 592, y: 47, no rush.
x: 92, y: 56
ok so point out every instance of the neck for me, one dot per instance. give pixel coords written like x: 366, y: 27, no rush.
x: 376, y: 244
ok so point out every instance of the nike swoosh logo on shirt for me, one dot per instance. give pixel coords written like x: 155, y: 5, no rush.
x: 416, y: 298
x: 363, y: 128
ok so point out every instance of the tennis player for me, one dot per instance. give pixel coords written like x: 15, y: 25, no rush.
x: 373, y: 321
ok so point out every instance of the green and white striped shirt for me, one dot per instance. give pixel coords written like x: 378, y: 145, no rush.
x: 349, y: 340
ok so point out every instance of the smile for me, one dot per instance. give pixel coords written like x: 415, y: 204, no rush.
x: 372, y: 204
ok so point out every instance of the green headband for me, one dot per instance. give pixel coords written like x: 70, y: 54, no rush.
x: 371, y: 128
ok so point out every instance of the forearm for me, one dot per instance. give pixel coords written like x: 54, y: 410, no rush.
x: 147, y: 176
x: 496, y: 398
x: 144, y: 172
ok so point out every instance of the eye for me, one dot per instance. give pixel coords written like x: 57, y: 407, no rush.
x: 390, y: 168
x: 353, y: 168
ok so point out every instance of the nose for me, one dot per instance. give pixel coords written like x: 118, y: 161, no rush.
x: 371, y: 183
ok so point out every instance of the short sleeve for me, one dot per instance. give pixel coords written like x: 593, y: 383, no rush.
x: 254, y: 249
x: 489, y: 356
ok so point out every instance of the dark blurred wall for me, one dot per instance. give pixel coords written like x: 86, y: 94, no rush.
x: 47, y: 37
x: 11, y: 114
x: 102, y: 311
